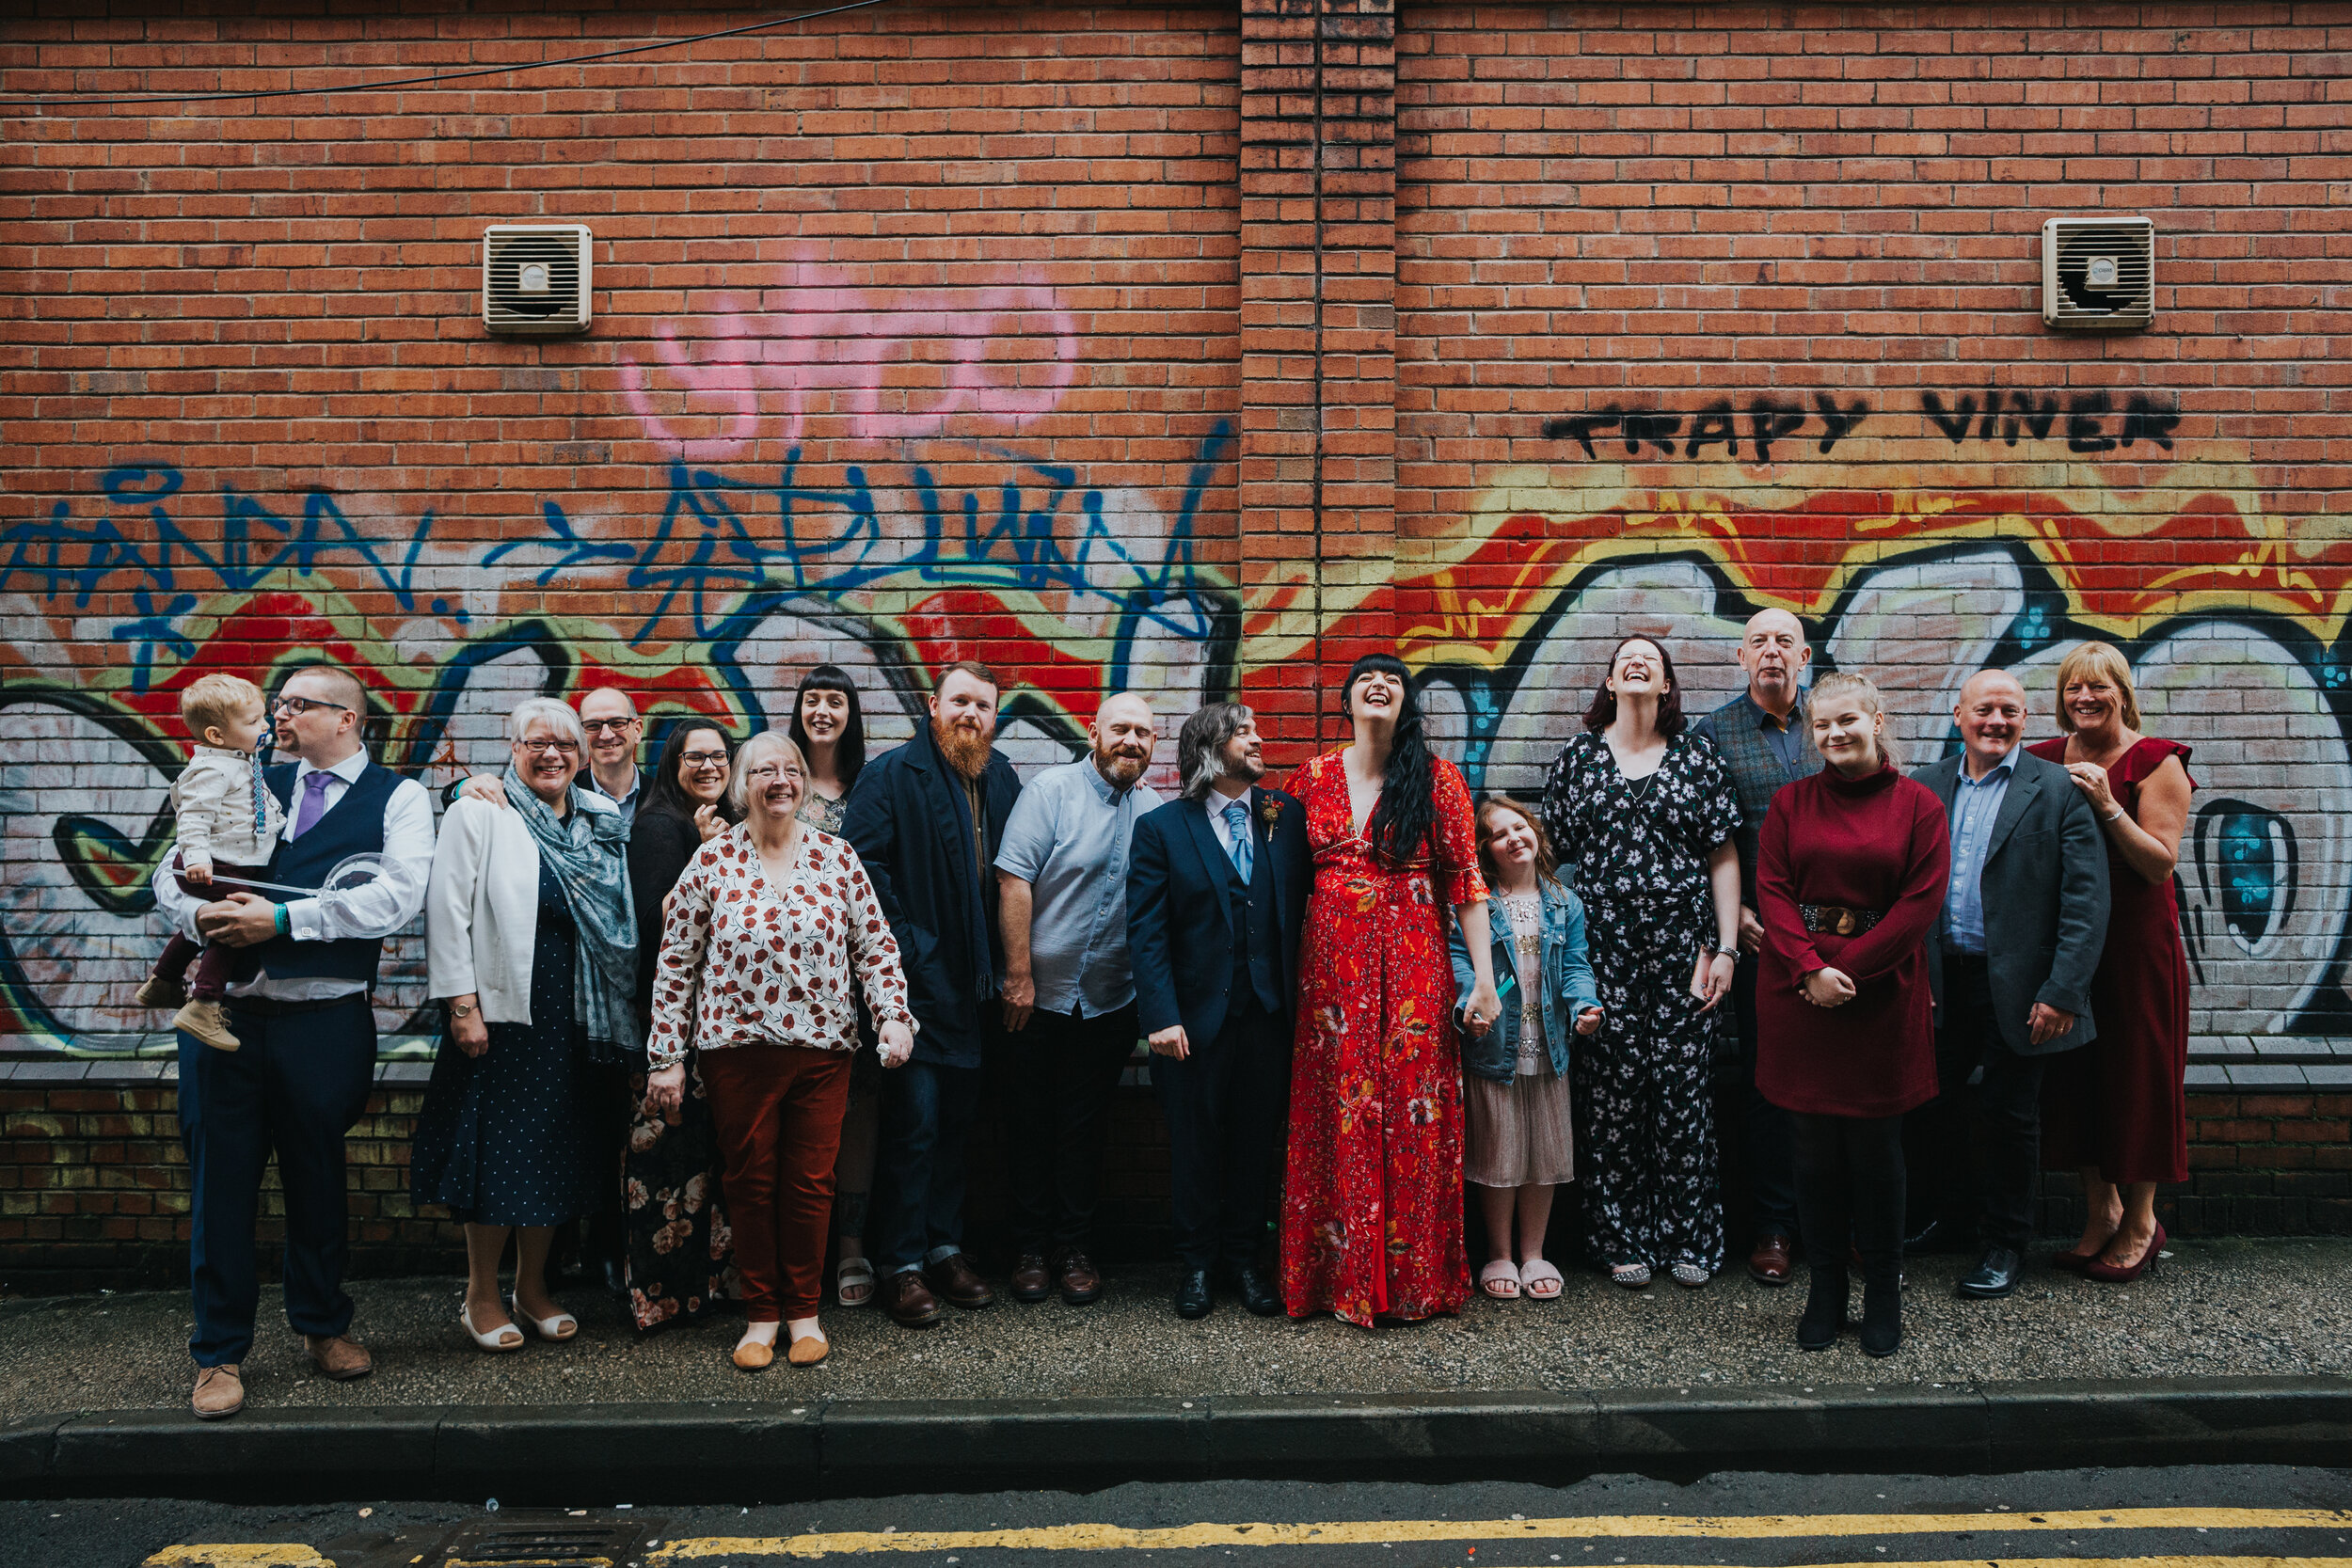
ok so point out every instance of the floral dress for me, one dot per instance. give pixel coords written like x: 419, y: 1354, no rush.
x: 1372, y: 1201
x: 1636, y: 851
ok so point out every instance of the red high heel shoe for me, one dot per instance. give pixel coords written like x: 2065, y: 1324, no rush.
x: 2071, y: 1261
x: 2115, y: 1274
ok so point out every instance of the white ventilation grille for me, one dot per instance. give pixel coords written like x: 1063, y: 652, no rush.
x: 534, y: 278
x: 2099, y: 274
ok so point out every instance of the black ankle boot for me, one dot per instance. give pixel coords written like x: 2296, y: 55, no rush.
x: 1882, y: 1316
x: 1824, y: 1307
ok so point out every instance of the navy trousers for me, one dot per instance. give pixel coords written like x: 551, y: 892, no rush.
x: 918, y: 1208
x: 1225, y: 1108
x: 297, y: 1085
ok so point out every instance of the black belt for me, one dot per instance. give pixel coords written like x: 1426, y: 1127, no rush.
x: 1837, y: 920
x: 270, y: 1006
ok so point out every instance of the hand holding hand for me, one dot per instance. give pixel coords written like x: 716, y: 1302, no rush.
x: 488, y: 787
x: 241, y: 920
x: 2046, y: 1024
x: 1828, y: 988
x: 1711, y: 982
x: 1588, y: 1021
x: 665, y: 1091
x: 1480, y: 1012
x: 896, y: 1044
x: 1171, y: 1042
x: 1020, y: 997
x: 708, y: 823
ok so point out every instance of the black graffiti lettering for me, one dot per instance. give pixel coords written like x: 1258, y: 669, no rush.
x: 1954, y: 424
x: 1767, y: 421
x: 1991, y: 414
x: 1837, y: 423
x: 2084, y: 429
x: 2145, y: 420
x: 1581, y: 428
x: 1713, y: 425
x: 1655, y: 429
x: 2038, y: 414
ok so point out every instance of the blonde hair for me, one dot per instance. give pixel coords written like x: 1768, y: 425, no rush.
x: 749, y: 755
x: 2103, y: 659
x: 211, y: 701
x: 1842, y: 683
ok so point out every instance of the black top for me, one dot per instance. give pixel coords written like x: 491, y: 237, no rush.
x: 661, y: 845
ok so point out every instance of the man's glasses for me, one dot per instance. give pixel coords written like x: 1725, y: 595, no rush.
x: 597, y: 726
x: 300, y: 706
x: 541, y: 748
x: 704, y: 759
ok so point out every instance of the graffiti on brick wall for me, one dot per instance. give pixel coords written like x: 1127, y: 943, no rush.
x: 710, y: 600
x: 2005, y: 528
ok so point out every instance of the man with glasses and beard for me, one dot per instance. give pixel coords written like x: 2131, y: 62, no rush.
x: 925, y: 819
x: 300, y: 1005
x: 1215, y: 908
x: 1069, y: 1000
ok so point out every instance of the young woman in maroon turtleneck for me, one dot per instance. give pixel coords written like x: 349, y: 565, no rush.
x: 1849, y: 875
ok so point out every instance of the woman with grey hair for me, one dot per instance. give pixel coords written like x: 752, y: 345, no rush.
x: 532, y: 943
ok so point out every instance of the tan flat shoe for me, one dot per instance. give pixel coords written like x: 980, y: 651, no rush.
x: 808, y: 1350
x: 754, y: 1356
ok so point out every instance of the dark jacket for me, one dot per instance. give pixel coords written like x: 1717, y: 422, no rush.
x: 1179, y: 920
x: 1565, y: 982
x: 2044, y: 887
x: 909, y: 822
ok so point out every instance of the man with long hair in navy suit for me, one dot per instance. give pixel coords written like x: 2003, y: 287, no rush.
x: 1216, y: 896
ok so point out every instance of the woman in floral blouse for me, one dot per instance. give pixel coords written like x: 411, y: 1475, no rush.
x: 1641, y: 816
x: 763, y: 933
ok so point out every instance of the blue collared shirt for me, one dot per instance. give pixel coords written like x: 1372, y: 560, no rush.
x: 1976, y: 806
x: 1068, y: 838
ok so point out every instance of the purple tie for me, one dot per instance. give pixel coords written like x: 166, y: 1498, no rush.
x: 313, y: 803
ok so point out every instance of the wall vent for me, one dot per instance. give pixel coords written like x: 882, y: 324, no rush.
x: 536, y: 278
x: 2099, y: 274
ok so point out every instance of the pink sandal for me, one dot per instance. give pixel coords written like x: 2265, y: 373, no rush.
x: 1535, y: 1277
x: 1501, y: 1279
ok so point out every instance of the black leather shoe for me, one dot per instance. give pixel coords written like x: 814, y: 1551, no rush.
x: 1258, y: 1294
x: 1883, y: 1318
x: 616, y: 1276
x: 1996, y: 1275
x: 1192, y: 1294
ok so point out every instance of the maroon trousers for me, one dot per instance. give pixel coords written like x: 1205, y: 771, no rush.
x: 216, y: 967
x: 777, y: 1111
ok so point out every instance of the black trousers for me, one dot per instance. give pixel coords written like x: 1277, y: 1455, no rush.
x: 1766, y: 1133
x: 1225, y: 1107
x: 1850, y: 1192
x: 1983, y: 1131
x: 1064, y: 1070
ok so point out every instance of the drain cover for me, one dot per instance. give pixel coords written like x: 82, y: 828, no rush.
x: 522, y: 1540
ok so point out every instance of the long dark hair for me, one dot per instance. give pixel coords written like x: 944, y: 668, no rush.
x: 1603, y: 712
x: 663, y: 792
x: 1408, y: 809
x: 849, y: 757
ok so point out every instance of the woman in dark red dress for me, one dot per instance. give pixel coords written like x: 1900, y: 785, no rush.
x: 1850, y: 870
x: 2117, y: 1108
x: 1371, y: 1199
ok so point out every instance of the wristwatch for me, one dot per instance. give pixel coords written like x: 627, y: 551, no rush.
x: 461, y: 1010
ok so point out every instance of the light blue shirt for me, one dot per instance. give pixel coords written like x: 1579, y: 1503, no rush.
x: 1976, y: 806
x: 1068, y: 838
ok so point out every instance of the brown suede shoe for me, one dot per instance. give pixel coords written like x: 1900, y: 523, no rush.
x: 219, y: 1393
x: 1769, y: 1264
x: 339, y: 1356
x: 908, y: 1300
x: 1076, y: 1277
x: 156, y: 991
x: 1031, y: 1280
x: 207, y: 1022
x: 954, y: 1277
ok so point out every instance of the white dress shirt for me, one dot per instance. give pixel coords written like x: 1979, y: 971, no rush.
x: 1214, y: 802
x: 394, y: 900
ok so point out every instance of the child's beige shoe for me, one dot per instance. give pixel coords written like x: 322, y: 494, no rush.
x: 209, y: 1023
x: 159, y: 993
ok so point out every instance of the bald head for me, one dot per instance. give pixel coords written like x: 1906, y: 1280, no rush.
x: 1124, y: 734
x: 1991, y: 718
x: 1773, y: 652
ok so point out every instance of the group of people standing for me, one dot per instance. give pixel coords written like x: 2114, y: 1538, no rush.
x: 719, y: 1012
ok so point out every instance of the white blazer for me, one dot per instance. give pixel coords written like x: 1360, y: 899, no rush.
x: 482, y: 907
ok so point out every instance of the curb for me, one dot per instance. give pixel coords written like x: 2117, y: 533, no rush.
x: 685, y: 1452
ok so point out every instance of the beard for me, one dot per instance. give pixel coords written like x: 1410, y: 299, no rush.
x: 966, y: 750
x: 1241, y: 765
x: 1122, y: 769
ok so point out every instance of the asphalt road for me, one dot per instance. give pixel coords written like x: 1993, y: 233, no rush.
x: 2189, y: 1517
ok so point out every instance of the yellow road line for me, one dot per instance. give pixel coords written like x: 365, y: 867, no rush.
x: 1098, y: 1538
x: 226, y: 1556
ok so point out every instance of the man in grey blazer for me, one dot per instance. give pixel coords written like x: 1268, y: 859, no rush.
x: 2010, y: 959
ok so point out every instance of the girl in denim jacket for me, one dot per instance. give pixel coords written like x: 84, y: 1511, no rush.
x: 1517, y: 1145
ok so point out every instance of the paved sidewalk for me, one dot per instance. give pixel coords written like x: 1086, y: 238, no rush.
x: 2223, y: 1308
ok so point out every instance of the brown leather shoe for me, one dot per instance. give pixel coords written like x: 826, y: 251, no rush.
x: 954, y: 1277
x: 1031, y: 1282
x: 339, y: 1356
x: 908, y: 1300
x: 219, y: 1393
x: 1077, y: 1278
x: 1770, y: 1263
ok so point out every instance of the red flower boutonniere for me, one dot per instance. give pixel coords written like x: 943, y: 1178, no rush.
x: 1269, y: 813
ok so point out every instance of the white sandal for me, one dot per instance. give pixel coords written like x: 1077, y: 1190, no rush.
x: 506, y: 1339
x: 1535, y: 1275
x: 1501, y: 1279
x: 560, y: 1328
x: 854, y: 1272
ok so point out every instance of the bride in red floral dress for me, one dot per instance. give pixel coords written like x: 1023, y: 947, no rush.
x: 1372, y: 1201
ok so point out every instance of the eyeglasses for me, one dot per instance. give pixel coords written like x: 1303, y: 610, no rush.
x: 762, y: 774
x: 702, y: 759
x: 541, y: 748
x: 300, y: 706
x: 597, y: 726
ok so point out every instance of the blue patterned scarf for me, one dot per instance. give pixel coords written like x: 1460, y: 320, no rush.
x: 588, y: 852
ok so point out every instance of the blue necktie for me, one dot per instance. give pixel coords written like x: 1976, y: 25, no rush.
x: 1237, y: 829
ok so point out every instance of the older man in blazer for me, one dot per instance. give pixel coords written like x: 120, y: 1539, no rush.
x: 1216, y: 895
x: 2010, y: 959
